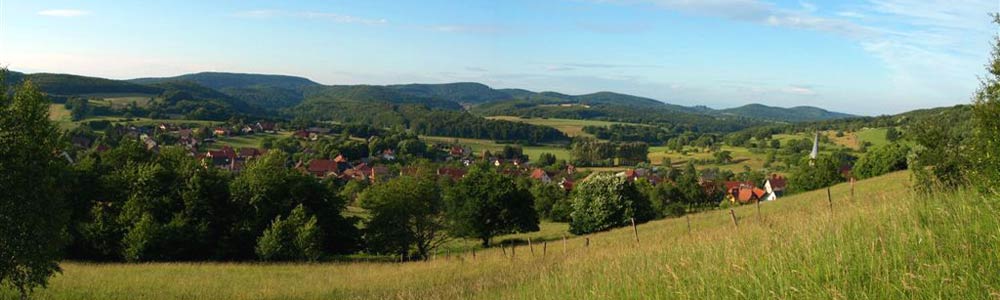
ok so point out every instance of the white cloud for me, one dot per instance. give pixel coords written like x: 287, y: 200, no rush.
x: 334, y: 17
x: 64, y: 13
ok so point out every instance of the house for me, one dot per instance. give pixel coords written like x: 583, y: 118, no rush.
x: 250, y: 153
x: 775, y: 186
x: 845, y: 171
x: 457, y: 151
x: 165, y: 127
x: 452, y: 173
x: 388, y: 154
x: 266, y: 127
x: 81, y: 141
x: 221, y: 131
x: 540, y: 175
x: 148, y: 141
x: 748, y: 195
x: 566, y: 184
x: 223, y: 157
x: 302, y: 134
x: 247, y: 129
x: 322, y: 167
x: 570, y: 169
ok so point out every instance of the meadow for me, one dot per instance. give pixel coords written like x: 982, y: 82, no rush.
x: 571, y: 127
x: 883, y: 243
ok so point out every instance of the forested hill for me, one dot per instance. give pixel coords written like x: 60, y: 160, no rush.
x: 792, y: 114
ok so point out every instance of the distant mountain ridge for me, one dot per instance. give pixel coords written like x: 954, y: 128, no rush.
x: 292, y: 93
x: 780, y: 114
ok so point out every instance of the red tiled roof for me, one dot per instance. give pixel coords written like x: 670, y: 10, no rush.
x: 321, y: 166
x: 453, y: 173
x: 778, y: 182
x: 538, y: 174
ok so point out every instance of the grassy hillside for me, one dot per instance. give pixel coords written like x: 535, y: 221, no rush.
x: 884, y: 243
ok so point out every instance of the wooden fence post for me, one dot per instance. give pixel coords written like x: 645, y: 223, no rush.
x: 473, y: 253
x: 829, y: 199
x: 688, y: 217
x: 565, y: 246
x: 531, y: 247
x: 586, y: 242
x: 513, y: 249
x: 635, y: 231
x: 732, y: 213
x: 757, y: 203
x: 545, y: 247
x: 852, y: 188
x: 503, y: 249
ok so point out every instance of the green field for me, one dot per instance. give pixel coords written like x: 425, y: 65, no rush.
x: 884, y: 243
x: 243, y: 141
x: 478, y: 146
x: 571, y: 127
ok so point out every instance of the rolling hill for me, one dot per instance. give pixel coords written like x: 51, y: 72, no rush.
x: 780, y: 114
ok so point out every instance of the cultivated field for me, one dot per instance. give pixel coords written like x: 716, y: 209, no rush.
x: 884, y: 243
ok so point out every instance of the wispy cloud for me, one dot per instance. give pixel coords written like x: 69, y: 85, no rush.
x: 928, y: 46
x: 470, y: 28
x: 63, y: 13
x: 334, y: 17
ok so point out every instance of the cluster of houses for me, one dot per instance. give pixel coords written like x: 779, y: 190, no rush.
x: 744, y: 192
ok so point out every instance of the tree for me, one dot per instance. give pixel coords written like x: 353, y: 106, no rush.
x: 986, y: 121
x: 823, y: 173
x: 296, y: 238
x: 892, y: 134
x: 881, y: 160
x: 607, y: 201
x: 545, y: 159
x: 723, y: 157
x: 33, y: 217
x: 484, y: 204
x: 407, y: 217
x: 547, y: 197
x: 267, y: 188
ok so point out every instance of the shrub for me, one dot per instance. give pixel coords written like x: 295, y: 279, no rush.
x: 607, y: 201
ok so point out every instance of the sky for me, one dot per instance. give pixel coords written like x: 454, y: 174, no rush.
x: 866, y: 57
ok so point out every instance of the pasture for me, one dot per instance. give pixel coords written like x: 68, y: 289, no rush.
x: 882, y: 243
x: 571, y: 127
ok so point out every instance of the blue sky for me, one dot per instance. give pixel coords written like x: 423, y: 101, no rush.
x: 864, y: 57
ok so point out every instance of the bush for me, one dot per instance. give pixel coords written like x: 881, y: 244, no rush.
x: 607, y: 201
x: 882, y: 160
x: 295, y: 238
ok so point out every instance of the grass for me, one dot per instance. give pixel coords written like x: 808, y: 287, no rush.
x: 479, y: 145
x: 884, y: 243
x: 61, y: 116
x: 571, y: 127
x: 244, y: 141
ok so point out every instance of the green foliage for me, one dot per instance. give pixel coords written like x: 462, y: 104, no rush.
x: 592, y: 152
x: 882, y: 160
x: 407, y: 217
x: 486, y: 203
x: 544, y: 159
x: 296, y: 238
x: 33, y: 214
x: 606, y: 201
x: 985, y: 150
x: 550, y: 200
x: 824, y: 172
x: 892, y: 134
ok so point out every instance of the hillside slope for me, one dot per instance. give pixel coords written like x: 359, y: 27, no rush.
x: 884, y: 243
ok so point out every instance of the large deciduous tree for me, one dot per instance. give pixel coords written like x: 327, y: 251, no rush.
x: 407, y: 217
x: 486, y: 203
x: 33, y: 214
